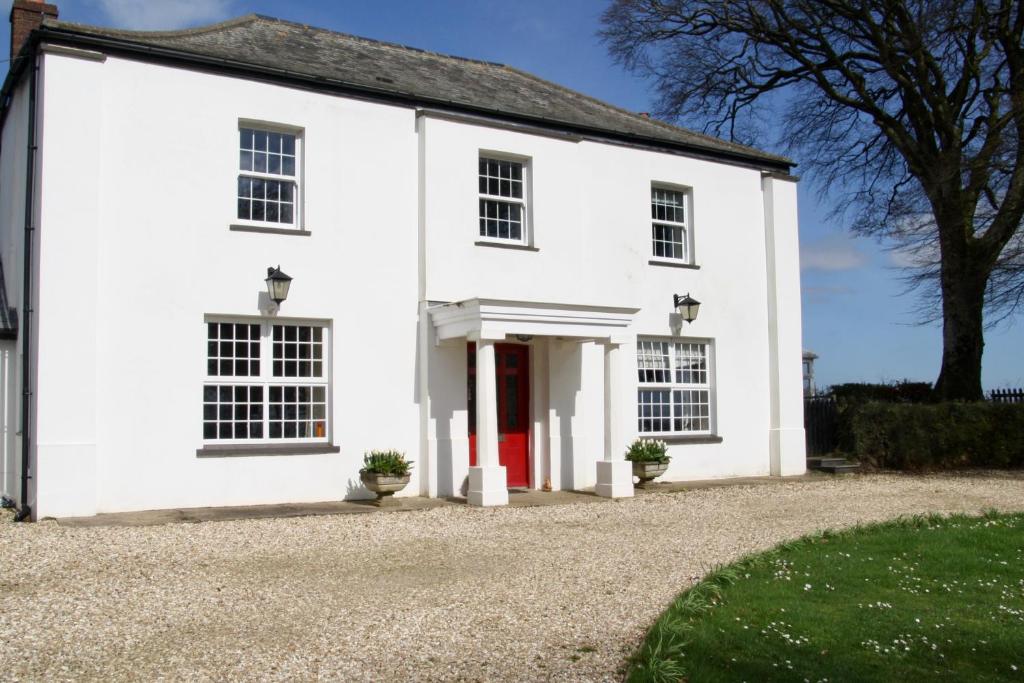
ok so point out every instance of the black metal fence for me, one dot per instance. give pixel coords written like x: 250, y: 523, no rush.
x: 820, y: 420
x: 1007, y: 396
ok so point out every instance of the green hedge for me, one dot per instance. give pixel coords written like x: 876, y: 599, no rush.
x: 894, y: 392
x: 905, y: 436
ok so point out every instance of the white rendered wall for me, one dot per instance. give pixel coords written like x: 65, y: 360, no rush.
x: 141, y: 250
x: 136, y: 250
x: 590, y: 210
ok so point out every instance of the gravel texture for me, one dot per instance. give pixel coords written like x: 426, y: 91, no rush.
x: 455, y: 593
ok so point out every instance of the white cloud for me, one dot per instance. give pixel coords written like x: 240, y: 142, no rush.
x: 825, y: 294
x: 164, y: 14
x: 831, y: 253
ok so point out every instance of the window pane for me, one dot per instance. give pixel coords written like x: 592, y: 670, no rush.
x: 239, y: 412
x: 227, y: 411
x: 684, y: 404
x: 298, y: 412
x: 501, y: 178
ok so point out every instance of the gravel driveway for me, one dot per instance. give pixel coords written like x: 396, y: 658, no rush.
x: 560, y: 592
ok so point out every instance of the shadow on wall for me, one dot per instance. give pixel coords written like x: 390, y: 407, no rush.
x: 565, y: 382
x: 354, y: 490
x: 447, y: 382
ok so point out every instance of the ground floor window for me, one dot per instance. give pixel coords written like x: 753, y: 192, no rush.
x: 266, y: 381
x: 674, y: 393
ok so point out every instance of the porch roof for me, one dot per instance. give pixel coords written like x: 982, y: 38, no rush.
x: 495, y: 319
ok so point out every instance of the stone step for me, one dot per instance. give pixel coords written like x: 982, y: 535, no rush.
x: 840, y: 469
x: 832, y: 465
x: 816, y: 462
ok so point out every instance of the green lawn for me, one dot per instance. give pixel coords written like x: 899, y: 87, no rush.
x: 915, y: 600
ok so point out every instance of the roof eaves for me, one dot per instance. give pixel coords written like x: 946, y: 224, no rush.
x: 713, y: 142
x: 66, y: 31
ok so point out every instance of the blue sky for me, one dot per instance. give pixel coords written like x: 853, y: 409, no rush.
x: 855, y: 317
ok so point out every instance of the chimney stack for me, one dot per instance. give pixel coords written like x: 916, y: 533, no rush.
x: 26, y: 16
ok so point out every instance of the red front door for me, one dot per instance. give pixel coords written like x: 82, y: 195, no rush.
x: 512, y: 363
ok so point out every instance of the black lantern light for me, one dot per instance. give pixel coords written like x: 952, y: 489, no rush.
x: 687, y: 307
x: 277, y: 284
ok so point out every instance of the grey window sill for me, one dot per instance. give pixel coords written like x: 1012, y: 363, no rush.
x: 696, y: 439
x: 670, y: 264
x: 511, y: 245
x: 233, y: 450
x: 269, y: 231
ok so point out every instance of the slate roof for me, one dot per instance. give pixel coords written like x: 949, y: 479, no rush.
x: 425, y: 77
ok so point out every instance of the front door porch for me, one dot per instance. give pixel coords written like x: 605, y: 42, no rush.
x: 501, y: 392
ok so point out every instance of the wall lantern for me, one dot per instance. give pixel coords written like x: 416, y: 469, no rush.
x: 277, y: 284
x: 687, y: 307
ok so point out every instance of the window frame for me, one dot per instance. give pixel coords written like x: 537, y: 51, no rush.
x: 686, y: 225
x: 673, y: 385
x: 266, y: 380
x: 524, y: 202
x: 297, y: 224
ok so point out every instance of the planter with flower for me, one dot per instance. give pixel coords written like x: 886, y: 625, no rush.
x: 650, y: 459
x: 385, y: 473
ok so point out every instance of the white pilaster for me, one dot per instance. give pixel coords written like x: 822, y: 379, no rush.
x: 488, y: 483
x: 786, y: 446
x: 614, y: 474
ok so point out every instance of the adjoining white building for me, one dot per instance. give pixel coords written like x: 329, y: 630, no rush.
x: 485, y: 275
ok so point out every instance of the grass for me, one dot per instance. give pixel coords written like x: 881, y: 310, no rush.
x: 925, y: 598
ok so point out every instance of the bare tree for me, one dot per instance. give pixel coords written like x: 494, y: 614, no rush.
x: 910, y: 113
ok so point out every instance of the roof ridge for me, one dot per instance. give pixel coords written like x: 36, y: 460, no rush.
x: 374, y: 41
x: 646, y: 119
x: 175, y: 33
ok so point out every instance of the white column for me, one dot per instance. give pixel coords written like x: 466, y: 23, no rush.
x: 786, y: 429
x: 488, y: 483
x: 615, y: 473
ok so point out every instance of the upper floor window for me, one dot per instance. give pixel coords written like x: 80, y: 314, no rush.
x: 674, y: 396
x: 265, y: 382
x: 670, y: 236
x: 268, y: 177
x: 502, y: 186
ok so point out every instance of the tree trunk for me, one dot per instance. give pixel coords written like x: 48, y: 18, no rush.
x: 963, y: 300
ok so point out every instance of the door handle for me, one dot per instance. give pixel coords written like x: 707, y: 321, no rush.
x: 501, y: 438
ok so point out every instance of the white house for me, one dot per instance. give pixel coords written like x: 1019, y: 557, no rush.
x: 485, y: 275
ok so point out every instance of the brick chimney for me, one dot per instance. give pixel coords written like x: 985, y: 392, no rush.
x: 26, y: 16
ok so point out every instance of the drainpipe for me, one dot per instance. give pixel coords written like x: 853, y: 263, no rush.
x: 26, y: 325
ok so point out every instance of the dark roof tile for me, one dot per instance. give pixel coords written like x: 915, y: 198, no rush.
x: 418, y: 74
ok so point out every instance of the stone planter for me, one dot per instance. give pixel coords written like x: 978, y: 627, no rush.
x: 385, y: 486
x: 647, y: 470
